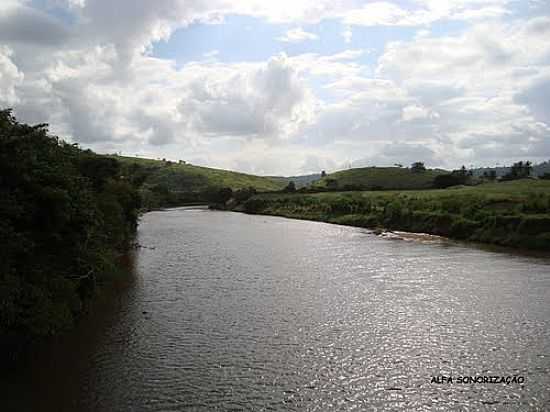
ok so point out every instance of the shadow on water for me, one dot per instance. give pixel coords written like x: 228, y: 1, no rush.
x: 49, y: 377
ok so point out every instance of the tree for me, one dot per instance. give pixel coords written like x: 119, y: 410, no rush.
x: 65, y: 214
x: 418, y: 167
x: 99, y: 169
x: 519, y: 170
x: 291, y: 187
x: 224, y: 194
x: 332, y: 184
x: 244, y: 194
x: 323, y: 174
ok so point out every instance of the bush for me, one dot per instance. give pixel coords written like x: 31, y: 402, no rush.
x: 534, y: 225
x: 243, y: 195
x: 448, y: 180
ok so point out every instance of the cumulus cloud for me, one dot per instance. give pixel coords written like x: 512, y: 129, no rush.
x: 9, y: 5
x: 536, y: 97
x: 399, y: 153
x: 347, y: 34
x: 10, y: 77
x: 26, y: 25
x: 470, y: 96
x: 267, y: 100
x: 315, y: 163
x: 414, y: 112
x: 297, y: 35
x: 485, y: 86
x: 385, y: 13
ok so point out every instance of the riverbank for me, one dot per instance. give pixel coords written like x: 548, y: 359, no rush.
x: 513, y: 214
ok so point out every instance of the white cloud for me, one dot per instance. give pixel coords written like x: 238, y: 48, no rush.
x: 347, y: 34
x: 23, y: 24
x: 385, y: 13
x: 10, y: 77
x: 9, y: 5
x: 371, y: 13
x: 478, y: 95
x: 255, y: 100
x: 338, y: 65
x: 297, y: 35
x: 378, y: 13
x: 211, y: 54
x: 414, y: 112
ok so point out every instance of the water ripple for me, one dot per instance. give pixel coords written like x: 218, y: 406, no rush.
x: 238, y: 312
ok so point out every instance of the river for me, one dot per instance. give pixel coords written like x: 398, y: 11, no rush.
x: 227, y: 311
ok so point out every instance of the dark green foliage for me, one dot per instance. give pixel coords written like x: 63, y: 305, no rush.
x: 331, y: 184
x: 65, y: 214
x: 418, y: 167
x: 224, y: 194
x: 519, y: 170
x: 243, y: 195
x: 217, y: 196
x: 444, y: 181
x: 291, y: 187
x: 457, y: 177
x: 98, y: 169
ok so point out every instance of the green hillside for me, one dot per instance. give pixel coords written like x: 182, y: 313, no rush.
x: 378, y: 178
x: 183, y: 177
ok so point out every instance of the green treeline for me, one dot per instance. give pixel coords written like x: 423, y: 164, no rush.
x: 514, y: 213
x: 66, y: 217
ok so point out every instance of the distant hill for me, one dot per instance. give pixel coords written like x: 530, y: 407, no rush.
x: 541, y: 168
x: 184, y: 177
x: 299, y: 181
x: 500, y: 171
x: 378, y: 178
x: 538, y: 170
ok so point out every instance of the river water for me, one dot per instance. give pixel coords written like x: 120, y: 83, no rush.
x: 229, y: 311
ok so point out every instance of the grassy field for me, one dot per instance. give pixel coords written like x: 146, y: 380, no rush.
x: 178, y: 177
x: 515, y: 213
x: 378, y: 178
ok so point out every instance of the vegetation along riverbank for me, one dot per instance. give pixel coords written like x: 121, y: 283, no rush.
x: 511, y: 213
x: 67, y: 217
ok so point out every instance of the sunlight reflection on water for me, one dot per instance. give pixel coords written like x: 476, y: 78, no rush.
x: 232, y: 311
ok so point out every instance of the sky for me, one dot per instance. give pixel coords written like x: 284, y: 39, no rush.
x: 285, y: 87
